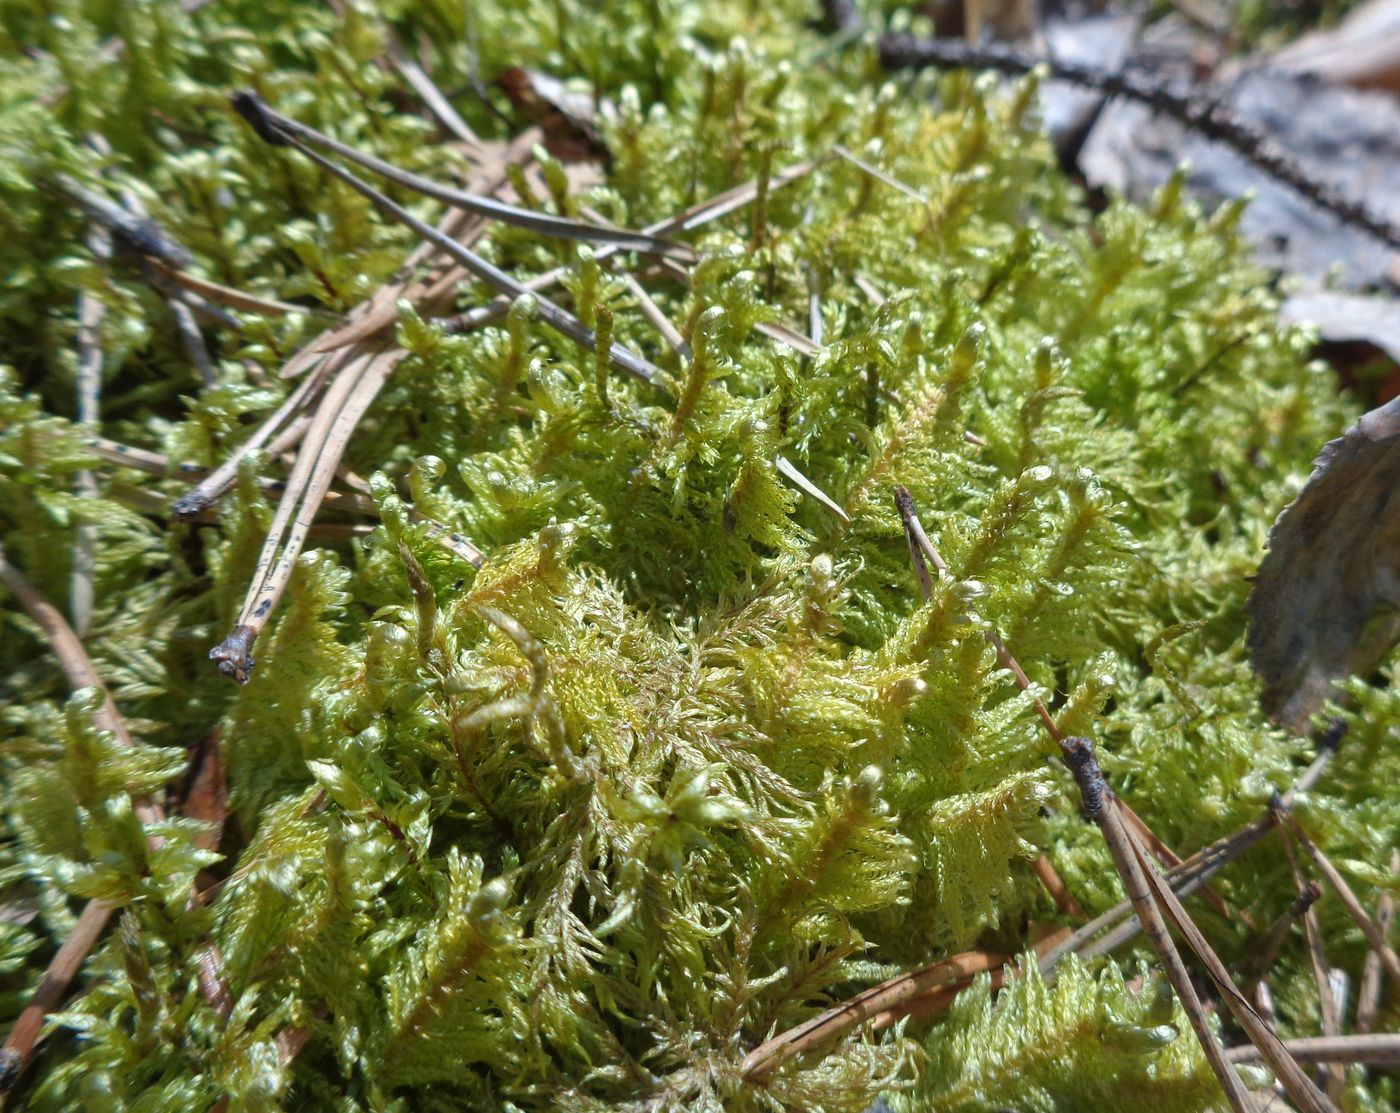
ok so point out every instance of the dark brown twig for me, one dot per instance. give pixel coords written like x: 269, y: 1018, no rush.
x: 1210, y: 118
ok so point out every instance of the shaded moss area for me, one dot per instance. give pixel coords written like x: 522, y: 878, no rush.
x: 688, y: 757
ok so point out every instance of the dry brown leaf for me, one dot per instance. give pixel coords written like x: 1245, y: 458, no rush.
x: 1324, y: 601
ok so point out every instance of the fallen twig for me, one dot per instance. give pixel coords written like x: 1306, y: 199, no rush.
x: 1375, y: 1050
x: 1209, y: 118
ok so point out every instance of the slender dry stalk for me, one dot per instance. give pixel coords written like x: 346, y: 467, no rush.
x: 1192, y: 873
x: 837, y: 1021
x: 1133, y: 868
x: 322, y: 448
x: 91, y: 311
x: 63, y: 968
x: 281, y: 130
x: 1169, y: 857
x: 78, y: 669
x: 228, y: 295
x: 192, y: 340
x: 1373, y: 1049
x: 433, y: 97
x: 937, y: 1001
x: 275, y: 129
x: 922, y: 553
x: 789, y: 472
x: 1368, y: 997
x: 1301, y: 1089
x: 879, y: 175
x: 221, y: 479
x: 1369, y: 928
x: 696, y: 216
x: 659, y: 321
x: 1327, y: 1000
x: 1263, y: 958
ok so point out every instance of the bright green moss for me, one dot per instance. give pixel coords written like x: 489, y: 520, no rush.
x: 687, y: 753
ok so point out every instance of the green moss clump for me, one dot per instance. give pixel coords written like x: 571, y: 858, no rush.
x: 688, y: 758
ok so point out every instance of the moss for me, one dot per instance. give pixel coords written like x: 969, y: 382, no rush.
x: 581, y: 828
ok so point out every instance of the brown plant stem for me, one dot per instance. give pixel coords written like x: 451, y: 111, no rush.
x: 77, y: 667
x: 276, y: 129
x: 1301, y: 1089
x: 1193, y: 871
x: 63, y: 968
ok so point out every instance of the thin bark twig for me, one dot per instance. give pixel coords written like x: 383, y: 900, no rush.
x: 1208, y: 117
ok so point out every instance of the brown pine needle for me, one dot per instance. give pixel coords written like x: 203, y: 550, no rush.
x: 1262, y: 959
x: 380, y: 309
x: 1101, y: 806
x: 63, y: 968
x: 227, y: 295
x: 326, y: 440
x: 274, y: 129
x: 1301, y: 1089
x: 659, y: 321
x: 1065, y: 902
x: 1327, y: 1000
x: 221, y: 479
x: 1369, y: 928
x: 1192, y: 873
x: 78, y: 669
x: 1169, y: 857
x: 836, y: 1022
x: 789, y: 337
x: 436, y: 101
x: 789, y: 472
x: 1368, y: 997
x: 281, y: 130
x: 687, y: 220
